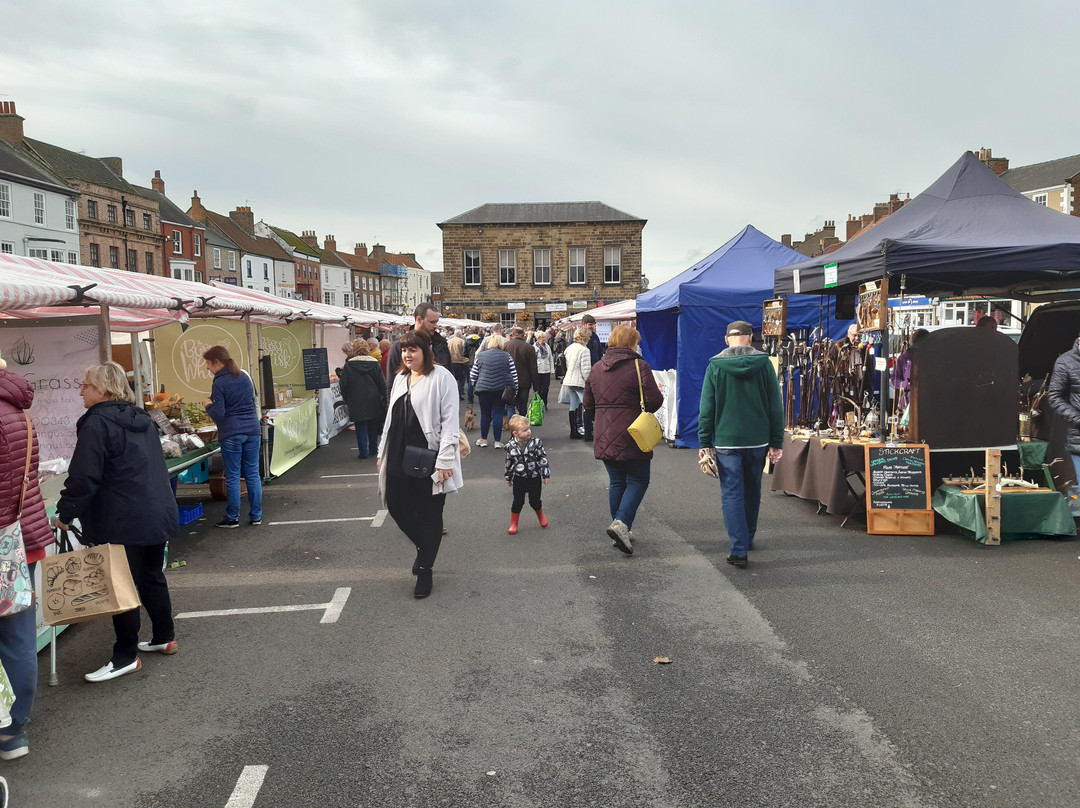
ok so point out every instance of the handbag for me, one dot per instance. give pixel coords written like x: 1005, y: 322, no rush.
x: 86, y: 584
x: 16, y: 588
x: 509, y: 394
x: 536, y: 410
x: 418, y: 461
x: 645, y: 430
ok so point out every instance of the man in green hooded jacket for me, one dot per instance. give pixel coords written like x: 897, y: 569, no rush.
x: 741, y: 421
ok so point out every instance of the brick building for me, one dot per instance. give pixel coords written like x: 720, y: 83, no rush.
x: 183, y: 239
x: 531, y: 263
x: 367, y: 282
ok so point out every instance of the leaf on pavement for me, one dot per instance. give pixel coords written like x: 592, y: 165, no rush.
x: 662, y: 660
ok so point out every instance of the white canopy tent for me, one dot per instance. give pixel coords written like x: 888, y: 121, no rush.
x: 623, y: 310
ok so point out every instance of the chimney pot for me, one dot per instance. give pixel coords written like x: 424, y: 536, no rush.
x: 157, y: 183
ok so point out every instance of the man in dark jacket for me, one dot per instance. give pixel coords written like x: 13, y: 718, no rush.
x: 1064, y: 395
x: 524, y: 356
x: 741, y: 420
x: 426, y: 320
x: 596, y: 351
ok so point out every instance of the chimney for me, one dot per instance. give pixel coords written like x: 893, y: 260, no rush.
x: 310, y: 239
x: 999, y: 165
x: 829, y: 230
x: 157, y: 183
x: 330, y: 244
x: 786, y: 239
x: 881, y: 210
x: 114, y: 164
x: 196, y: 211
x: 361, y: 250
x: 378, y: 251
x: 244, y: 218
x: 853, y: 227
x: 11, y: 125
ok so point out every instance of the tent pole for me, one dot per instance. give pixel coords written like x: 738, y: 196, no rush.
x: 152, y: 353
x: 883, y: 404
x: 136, y: 369
x: 104, y: 335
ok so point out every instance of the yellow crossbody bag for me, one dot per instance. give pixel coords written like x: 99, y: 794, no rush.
x: 645, y: 430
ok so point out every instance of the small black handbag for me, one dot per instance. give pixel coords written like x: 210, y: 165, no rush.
x: 418, y: 461
x: 509, y: 394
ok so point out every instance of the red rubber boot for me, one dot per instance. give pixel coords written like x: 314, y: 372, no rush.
x: 513, y: 523
x: 543, y: 519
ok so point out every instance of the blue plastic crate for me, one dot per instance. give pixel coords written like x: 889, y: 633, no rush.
x: 189, y: 513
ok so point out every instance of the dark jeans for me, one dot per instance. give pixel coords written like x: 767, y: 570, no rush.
x: 367, y: 436
x: 145, y: 562
x: 543, y: 384
x: 740, y: 493
x: 490, y: 403
x: 418, y: 513
x: 527, y: 485
x: 18, y: 653
x: 461, y: 373
x: 522, y: 402
x: 629, y: 480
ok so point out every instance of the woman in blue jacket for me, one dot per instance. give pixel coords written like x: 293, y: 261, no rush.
x: 232, y: 407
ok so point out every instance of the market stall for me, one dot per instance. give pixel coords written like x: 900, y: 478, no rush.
x: 968, y: 233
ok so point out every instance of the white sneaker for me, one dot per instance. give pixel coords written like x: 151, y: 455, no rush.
x: 620, y: 536
x: 498, y: 445
x: 108, y: 671
x: 481, y: 442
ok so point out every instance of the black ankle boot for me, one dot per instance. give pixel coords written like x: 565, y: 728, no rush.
x: 574, y: 427
x: 423, y: 583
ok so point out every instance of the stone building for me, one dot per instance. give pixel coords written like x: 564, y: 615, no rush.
x: 534, y: 262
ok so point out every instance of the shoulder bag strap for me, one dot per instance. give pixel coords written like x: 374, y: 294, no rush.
x: 26, y: 468
x: 640, y: 386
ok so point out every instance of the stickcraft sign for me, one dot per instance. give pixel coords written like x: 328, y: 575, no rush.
x: 898, y: 490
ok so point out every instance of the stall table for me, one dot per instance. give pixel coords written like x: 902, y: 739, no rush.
x: 175, y: 465
x: 1025, y: 514
x: 815, y: 468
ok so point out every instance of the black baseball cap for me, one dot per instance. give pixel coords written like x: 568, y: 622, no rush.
x: 740, y: 328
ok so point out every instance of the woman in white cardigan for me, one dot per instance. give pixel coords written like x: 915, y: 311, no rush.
x: 423, y: 411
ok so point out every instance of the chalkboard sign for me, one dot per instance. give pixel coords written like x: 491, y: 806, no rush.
x: 316, y: 369
x: 898, y: 490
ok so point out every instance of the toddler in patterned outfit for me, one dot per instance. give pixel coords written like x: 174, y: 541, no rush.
x: 526, y: 470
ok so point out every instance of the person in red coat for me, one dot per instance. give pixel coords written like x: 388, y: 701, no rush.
x: 613, y: 394
x: 18, y: 633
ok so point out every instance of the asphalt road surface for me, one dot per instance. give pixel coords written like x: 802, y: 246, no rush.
x: 838, y: 669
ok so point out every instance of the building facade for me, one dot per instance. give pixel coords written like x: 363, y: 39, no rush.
x: 534, y: 263
x: 38, y: 213
x: 366, y: 281
x: 183, y: 239
x: 1054, y: 183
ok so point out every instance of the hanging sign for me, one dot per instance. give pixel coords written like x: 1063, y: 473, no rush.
x: 832, y: 274
x: 516, y: 306
x: 581, y: 304
x: 555, y: 307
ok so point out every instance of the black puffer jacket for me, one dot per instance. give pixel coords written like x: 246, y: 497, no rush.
x: 1064, y: 395
x: 364, y: 388
x: 118, y: 485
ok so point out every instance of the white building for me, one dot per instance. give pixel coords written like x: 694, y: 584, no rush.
x: 337, y: 285
x: 417, y: 286
x: 39, y: 215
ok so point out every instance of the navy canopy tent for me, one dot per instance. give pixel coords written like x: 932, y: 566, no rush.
x: 968, y: 233
x: 682, y: 322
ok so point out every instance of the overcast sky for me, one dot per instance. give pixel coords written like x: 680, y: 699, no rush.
x: 373, y: 121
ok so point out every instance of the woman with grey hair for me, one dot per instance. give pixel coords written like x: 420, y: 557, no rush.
x: 118, y: 488
x: 545, y: 363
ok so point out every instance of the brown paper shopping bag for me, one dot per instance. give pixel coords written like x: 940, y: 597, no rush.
x: 86, y: 584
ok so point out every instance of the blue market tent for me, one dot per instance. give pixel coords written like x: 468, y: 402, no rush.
x: 682, y: 321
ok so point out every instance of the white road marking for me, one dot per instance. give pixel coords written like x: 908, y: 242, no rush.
x: 331, y: 611
x: 319, y: 521
x: 247, y: 787
x: 332, y: 476
x: 379, y: 518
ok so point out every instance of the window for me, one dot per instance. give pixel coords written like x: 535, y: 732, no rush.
x: 57, y: 256
x: 346, y: 300
x: 147, y: 221
x: 576, y: 266
x: 149, y: 263
x: 198, y: 276
x: 196, y: 241
x: 110, y: 214
x: 248, y: 264
x: 73, y: 258
x: 232, y: 261
x: 39, y: 208
x: 267, y: 290
x: 472, y: 267
x: 612, y: 264
x: 183, y: 274
x: 132, y: 261
x: 365, y: 284
x: 507, y: 267
x: 69, y: 214
x: 217, y: 258
x: 91, y: 209
x: 5, y: 200
x: 95, y: 257
x: 266, y: 271
x: 129, y: 217
x: 1039, y: 199
x: 114, y: 257
x: 328, y: 298
x: 542, y: 266
x: 376, y: 282
x: 7, y: 247
x: 177, y: 242
x: 37, y: 252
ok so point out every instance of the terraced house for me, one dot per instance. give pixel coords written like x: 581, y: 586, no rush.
x: 534, y: 262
